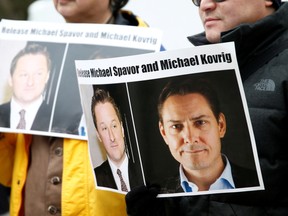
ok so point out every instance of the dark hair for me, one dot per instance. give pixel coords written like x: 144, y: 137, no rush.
x: 102, y: 96
x: 188, y: 86
x: 33, y: 49
x: 116, y: 5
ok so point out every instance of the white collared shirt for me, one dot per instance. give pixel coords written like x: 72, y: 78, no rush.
x: 225, y: 181
x: 30, y: 113
x: 124, y: 170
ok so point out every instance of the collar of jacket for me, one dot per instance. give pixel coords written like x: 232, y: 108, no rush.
x: 252, y: 39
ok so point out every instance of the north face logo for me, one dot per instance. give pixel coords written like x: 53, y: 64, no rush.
x: 265, y: 85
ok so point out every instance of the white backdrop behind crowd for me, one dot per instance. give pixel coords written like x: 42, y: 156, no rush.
x: 177, y: 19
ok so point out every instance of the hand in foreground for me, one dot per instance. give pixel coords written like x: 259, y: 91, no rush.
x: 142, y: 201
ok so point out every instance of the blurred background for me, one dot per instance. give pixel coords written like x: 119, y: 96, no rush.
x: 177, y: 19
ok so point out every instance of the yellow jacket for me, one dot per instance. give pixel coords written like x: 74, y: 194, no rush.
x: 79, y: 196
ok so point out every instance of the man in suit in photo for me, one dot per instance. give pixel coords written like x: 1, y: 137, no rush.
x: 118, y: 171
x: 29, y: 74
x: 192, y: 125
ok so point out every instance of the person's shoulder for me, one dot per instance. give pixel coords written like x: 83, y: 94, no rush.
x: 244, y: 177
x: 102, y: 167
x: 5, y: 105
x: 44, y: 111
x: 126, y: 17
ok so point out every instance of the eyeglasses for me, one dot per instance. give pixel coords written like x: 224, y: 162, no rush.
x: 198, y: 2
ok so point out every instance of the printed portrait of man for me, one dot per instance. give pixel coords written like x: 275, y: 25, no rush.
x: 118, y: 171
x: 29, y: 74
x: 192, y: 125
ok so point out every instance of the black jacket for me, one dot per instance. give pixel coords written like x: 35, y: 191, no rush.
x: 104, y: 176
x: 40, y: 123
x: 262, y: 54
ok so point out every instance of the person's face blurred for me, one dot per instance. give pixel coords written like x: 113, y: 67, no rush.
x: 29, y: 78
x: 83, y: 11
x: 224, y: 15
x: 110, y: 131
x: 192, y: 132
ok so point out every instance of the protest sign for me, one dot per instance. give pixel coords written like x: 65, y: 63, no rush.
x: 158, y: 137
x: 49, y: 94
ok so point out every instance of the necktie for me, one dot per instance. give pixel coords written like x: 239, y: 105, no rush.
x: 123, y: 185
x: 22, y: 122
